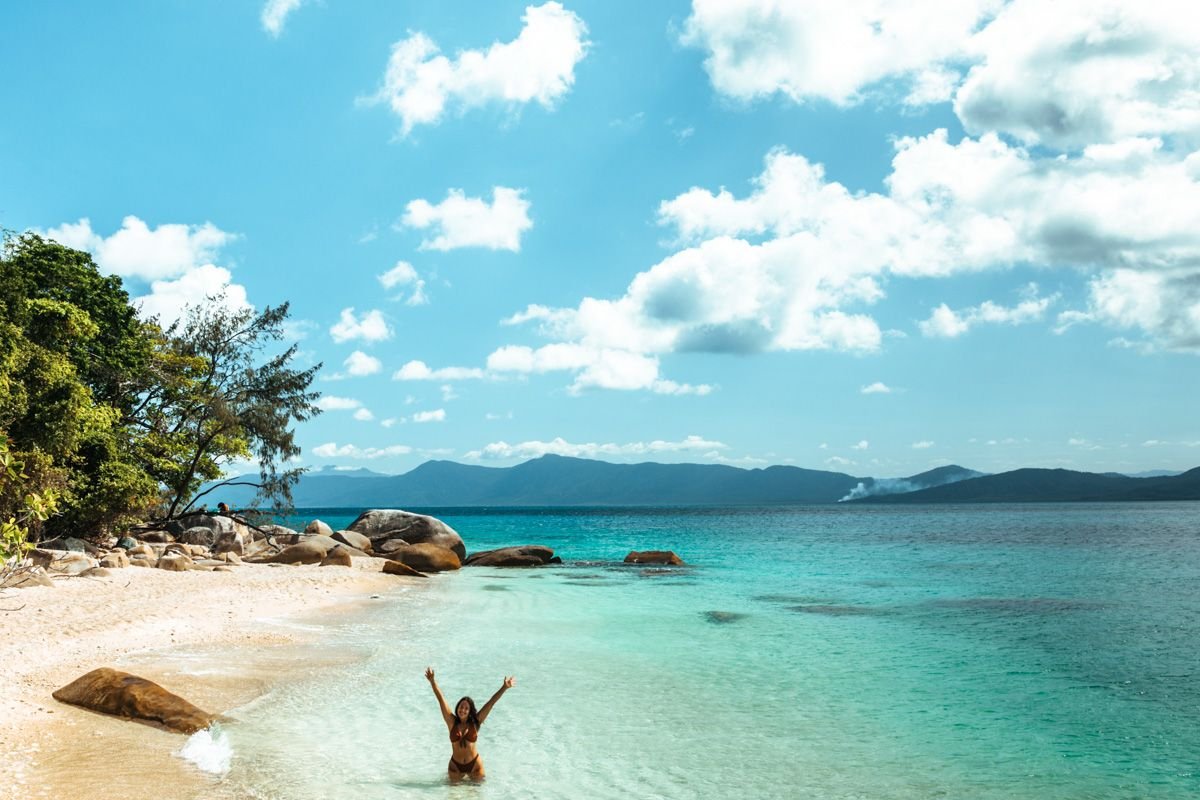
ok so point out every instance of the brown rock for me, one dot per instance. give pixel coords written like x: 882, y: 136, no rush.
x: 26, y: 579
x: 143, y: 550
x: 337, y: 557
x: 67, y: 562
x: 311, y: 551
x: 396, y: 568
x: 427, y: 558
x: 176, y: 562
x: 117, y: 559
x: 159, y: 537
x: 201, y: 535
x: 379, y: 525
x: 354, y: 539
x: 95, y: 572
x: 530, y: 555
x: 142, y: 561
x: 654, y: 557
x: 230, y: 558
x: 392, y: 545
x: 121, y: 694
x: 223, y: 569
x: 319, y: 528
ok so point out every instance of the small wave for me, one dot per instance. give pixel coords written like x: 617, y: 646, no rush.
x: 209, y: 750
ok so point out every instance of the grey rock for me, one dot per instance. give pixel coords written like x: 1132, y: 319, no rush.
x: 379, y: 525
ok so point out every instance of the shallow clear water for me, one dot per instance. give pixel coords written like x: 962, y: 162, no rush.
x: 825, y: 652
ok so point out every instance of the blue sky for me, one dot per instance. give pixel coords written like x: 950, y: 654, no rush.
x: 876, y: 238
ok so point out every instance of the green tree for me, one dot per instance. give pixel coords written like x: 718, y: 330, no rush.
x: 225, y: 392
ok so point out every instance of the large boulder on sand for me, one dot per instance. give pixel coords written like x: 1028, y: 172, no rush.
x: 381, y: 524
x: 355, y: 540
x: 654, y: 557
x: 119, y: 693
x: 319, y: 528
x: 198, y: 534
x: 176, y: 562
x: 426, y: 558
x: 337, y: 557
x: 396, y: 568
x: 63, y: 562
x: 28, y: 578
x: 117, y: 559
x: 312, y: 550
x: 530, y: 555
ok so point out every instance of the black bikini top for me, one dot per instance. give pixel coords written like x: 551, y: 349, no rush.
x: 460, y: 734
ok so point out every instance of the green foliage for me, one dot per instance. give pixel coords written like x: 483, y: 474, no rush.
x: 227, y: 393
x: 33, y: 508
x: 115, y: 418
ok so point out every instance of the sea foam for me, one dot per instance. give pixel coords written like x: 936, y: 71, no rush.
x: 209, y: 750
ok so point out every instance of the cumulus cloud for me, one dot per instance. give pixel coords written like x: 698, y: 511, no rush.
x: 1078, y: 72
x: 420, y: 85
x: 811, y: 49
x: 364, y: 415
x: 359, y: 364
x: 862, y: 445
x: 560, y: 446
x: 461, y: 221
x: 332, y: 450
x: 946, y: 323
x: 331, y: 402
x: 878, y: 387
x: 175, y: 259
x: 404, y: 275
x: 437, y: 415
x: 420, y: 371
x: 168, y: 299
x: 138, y: 251
x: 275, y: 14
x: 370, y: 327
x: 1165, y: 307
x: 606, y: 368
x: 922, y: 445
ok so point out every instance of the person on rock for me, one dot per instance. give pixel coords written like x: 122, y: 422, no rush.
x: 464, y: 724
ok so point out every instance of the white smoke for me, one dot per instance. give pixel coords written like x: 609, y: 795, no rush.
x: 881, y: 486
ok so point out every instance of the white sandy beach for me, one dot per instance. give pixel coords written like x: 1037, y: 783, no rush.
x: 133, y: 621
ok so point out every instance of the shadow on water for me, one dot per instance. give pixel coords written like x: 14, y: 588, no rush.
x: 839, y: 610
x: 723, y: 617
x: 1033, y: 606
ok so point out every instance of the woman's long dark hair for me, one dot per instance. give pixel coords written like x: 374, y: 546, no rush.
x: 472, y: 717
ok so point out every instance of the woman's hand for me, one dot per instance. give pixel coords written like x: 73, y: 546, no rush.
x: 509, y: 681
x: 429, y: 674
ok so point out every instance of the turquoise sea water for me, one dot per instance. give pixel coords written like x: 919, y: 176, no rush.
x: 817, y: 652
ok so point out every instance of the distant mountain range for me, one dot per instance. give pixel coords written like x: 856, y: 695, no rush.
x: 1053, y: 486
x: 561, y: 481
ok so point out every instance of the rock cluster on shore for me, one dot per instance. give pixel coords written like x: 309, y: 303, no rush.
x: 410, y: 544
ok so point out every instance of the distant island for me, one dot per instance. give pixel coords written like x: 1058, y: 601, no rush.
x: 562, y: 481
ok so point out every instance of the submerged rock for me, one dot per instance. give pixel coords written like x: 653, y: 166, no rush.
x: 122, y: 694
x: 723, y: 617
x: 381, y: 524
x: 530, y: 555
x: 654, y: 557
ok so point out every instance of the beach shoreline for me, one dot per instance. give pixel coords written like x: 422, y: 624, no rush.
x: 243, y: 622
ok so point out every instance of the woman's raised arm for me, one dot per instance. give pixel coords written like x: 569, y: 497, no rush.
x: 446, y: 715
x: 487, y: 707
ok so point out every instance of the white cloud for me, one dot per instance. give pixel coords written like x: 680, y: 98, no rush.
x: 359, y: 364
x: 420, y: 371
x: 605, y: 368
x: 922, y: 445
x: 838, y: 461
x: 139, y: 251
x: 862, y: 445
x: 437, y: 415
x: 461, y: 221
x: 168, y: 299
x: 332, y: 450
x: 1164, y: 306
x: 371, y: 327
x: 331, y: 402
x: 405, y: 275
x: 877, y: 387
x: 947, y: 324
x: 275, y: 14
x: 420, y: 84
x: 560, y: 446
x: 813, y: 49
x: 364, y: 415
x: 1077, y: 72
x: 389, y: 422
x: 448, y: 393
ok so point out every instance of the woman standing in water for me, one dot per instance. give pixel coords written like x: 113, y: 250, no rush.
x: 464, y: 729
